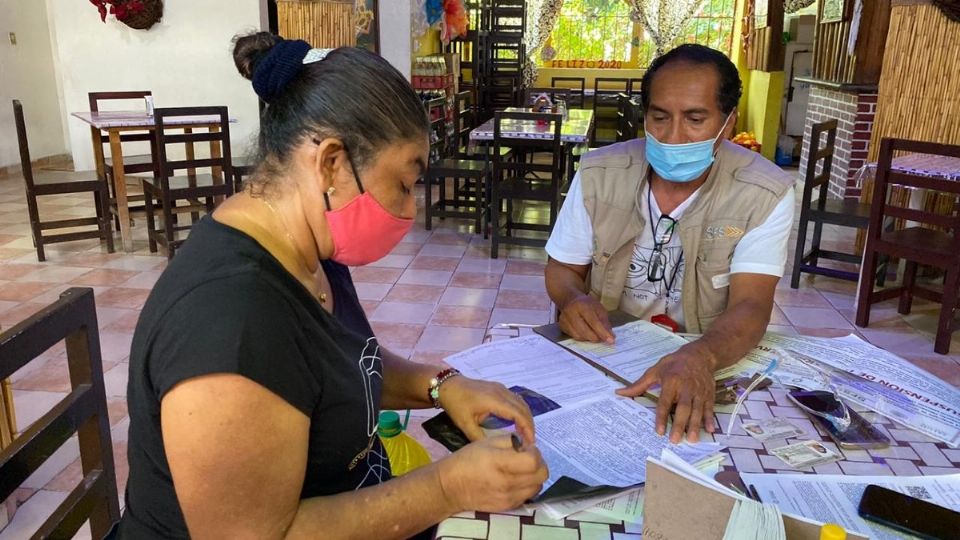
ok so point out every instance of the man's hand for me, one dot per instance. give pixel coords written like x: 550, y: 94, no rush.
x: 585, y: 319
x: 686, y: 380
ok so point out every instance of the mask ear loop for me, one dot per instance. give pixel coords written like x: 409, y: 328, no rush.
x: 356, y: 178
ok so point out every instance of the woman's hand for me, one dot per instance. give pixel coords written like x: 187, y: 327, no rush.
x: 469, y: 402
x: 491, y: 476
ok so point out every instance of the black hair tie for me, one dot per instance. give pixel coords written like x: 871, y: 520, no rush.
x: 275, y: 70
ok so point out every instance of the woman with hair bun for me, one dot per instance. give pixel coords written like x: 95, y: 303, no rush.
x: 255, y: 379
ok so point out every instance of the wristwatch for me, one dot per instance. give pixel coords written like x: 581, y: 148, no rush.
x: 433, y: 391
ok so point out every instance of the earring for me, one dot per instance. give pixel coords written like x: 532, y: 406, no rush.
x: 331, y: 190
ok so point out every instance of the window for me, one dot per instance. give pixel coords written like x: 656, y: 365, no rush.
x: 593, y: 30
x: 712, y: 26
x: 601, y: 33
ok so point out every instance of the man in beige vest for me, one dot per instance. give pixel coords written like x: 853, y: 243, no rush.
x: 683, y: 228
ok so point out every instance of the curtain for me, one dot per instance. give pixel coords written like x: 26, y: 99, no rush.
x: 663, y: 20
x: 542, y: 16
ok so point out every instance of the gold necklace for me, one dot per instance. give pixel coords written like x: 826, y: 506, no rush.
x: 320, y: 296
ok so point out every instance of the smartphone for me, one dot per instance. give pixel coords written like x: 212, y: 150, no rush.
x: 908, y: 514
x: 860, y: 433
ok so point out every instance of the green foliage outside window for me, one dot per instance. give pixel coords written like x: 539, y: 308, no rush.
x: 602, y: 30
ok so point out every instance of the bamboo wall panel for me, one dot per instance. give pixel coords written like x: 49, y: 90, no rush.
x: 919, y: 96
x: 322, y: 23
x: 765, y: 52
x: 831, y: 58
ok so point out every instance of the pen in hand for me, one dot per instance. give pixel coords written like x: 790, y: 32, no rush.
x: 517, y: 443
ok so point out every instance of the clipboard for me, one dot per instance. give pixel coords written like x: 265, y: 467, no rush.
x: 667, y: 491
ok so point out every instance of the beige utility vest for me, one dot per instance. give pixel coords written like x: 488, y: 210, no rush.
x: 741, y: 191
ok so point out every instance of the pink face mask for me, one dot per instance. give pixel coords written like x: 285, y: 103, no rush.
x: 363, y: 231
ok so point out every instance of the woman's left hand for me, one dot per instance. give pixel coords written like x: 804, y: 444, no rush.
x: 470, y: 401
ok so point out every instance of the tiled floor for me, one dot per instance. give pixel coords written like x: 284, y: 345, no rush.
x: 436, y: 293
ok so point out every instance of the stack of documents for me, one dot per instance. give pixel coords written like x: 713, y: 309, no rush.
x: 751, y: 520
x: 594, y: 438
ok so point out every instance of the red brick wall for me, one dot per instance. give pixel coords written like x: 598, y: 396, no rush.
x: 854, y: 113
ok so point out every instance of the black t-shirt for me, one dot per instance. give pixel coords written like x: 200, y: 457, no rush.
x: 225, y: 305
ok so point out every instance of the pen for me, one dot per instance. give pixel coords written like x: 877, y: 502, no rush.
x: 517, y: 443
x: 754, y: 494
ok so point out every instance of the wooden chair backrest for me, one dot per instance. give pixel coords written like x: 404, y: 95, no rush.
x: 83, y: 411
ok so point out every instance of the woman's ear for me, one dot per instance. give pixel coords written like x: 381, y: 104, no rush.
x: 329, y: 159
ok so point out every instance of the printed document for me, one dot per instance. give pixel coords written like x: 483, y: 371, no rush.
x: 536, y: 363
x: 834, y: 498
x: 638, y: 346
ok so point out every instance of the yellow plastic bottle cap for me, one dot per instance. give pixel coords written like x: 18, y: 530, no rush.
x: 832, y: 531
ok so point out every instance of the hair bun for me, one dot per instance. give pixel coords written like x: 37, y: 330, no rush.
x: 249, y: 49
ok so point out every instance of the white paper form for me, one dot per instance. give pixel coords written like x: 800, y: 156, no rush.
x: 538, y: 364
x: 884, y: 383
x: 606, y: 442
x: 834, y: 498
x: 637, y: 347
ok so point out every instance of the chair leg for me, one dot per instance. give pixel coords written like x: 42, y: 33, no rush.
x: 34, y: 212
x: 865, y: 297
x: 168, y: 214
x: 815, y: 247
x: 106, y: 232
x: 151, y: 219
x: 798, y: 253
x: 948, y: 304
x: 428, y: 201
x: 906, y: 295
x: 495, y: 225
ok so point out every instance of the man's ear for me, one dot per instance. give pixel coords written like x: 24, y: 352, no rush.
x: 731, y: 128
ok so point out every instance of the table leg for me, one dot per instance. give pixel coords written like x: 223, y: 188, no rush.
x: 120, y: 189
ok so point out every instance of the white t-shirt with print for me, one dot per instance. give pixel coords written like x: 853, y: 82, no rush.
x: 762, y: 250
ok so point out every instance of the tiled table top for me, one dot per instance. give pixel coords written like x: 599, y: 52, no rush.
x: 575, y: 128
x: 909, y: 454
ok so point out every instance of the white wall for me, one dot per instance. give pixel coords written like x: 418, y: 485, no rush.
x: 185, y: 59
x: 27, y: 74
x: 395, y: 44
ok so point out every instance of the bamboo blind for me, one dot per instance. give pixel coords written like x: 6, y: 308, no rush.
x: 322, y: 23
x: 831, y: 58
x: 919, y: 96
x: 765, y: 52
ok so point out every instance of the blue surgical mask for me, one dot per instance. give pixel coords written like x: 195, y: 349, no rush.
x: 681, y: 162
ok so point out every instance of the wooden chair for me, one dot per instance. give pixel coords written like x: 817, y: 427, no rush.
x: 83, y: 411
x: 628, y: 118
x: 917, y: 245
x: 132, y: 164
x: 605, y: 92
x: 845, y: 212
x: 168, y: 189
x: 520, y: 181
x: 467, y: 171
x: 531, y: 94
x: 634, y: 85
x: 577, y: 86
x: 436, y: 109
x: 59, y: 184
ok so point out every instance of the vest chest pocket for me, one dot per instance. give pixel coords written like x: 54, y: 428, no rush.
x: 712, y: 287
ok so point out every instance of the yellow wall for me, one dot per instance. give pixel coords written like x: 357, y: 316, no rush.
x: 765, y: 95
x: 429, y: 43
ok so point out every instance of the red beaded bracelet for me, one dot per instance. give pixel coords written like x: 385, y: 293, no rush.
x: 433, y: 391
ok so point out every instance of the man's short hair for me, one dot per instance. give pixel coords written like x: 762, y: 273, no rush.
x: 728, y: 95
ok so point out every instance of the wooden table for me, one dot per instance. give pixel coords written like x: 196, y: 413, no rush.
x: 909, y: 454
x: 574, y: 131
x: 116, y: 122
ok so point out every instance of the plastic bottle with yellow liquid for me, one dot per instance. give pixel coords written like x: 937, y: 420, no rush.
x: 832, y: 531
x: 403, y: 451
